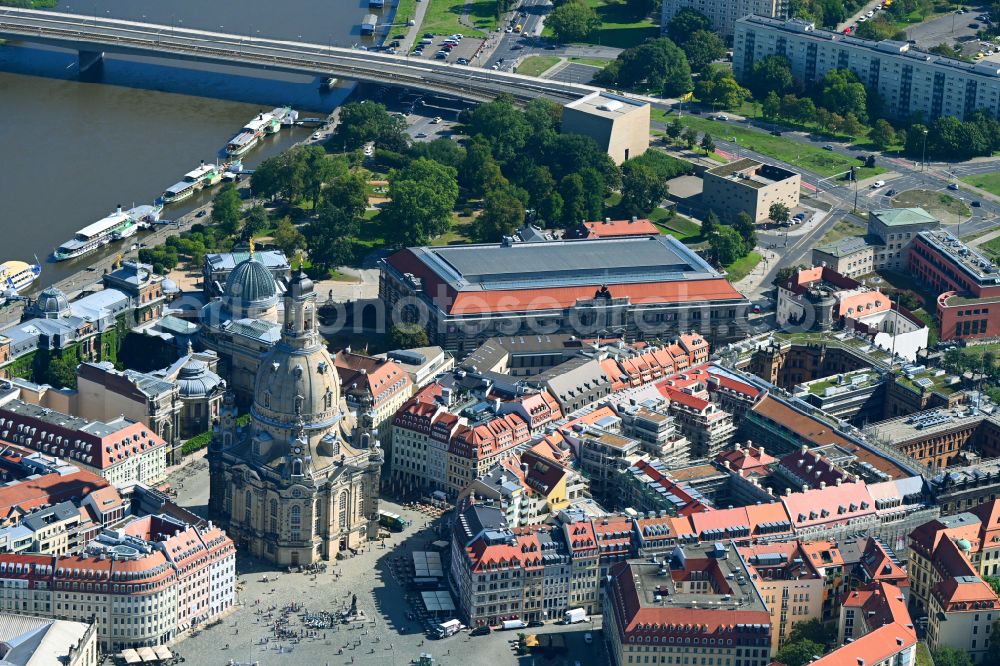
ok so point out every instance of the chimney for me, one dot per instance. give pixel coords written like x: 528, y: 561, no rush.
x: 805, y: 487
x: 788, y: 492
x: 633, y: 220
x: 822, y: 485
x: 839, y: 481
x: 804, y: 448
x: 607, y: 220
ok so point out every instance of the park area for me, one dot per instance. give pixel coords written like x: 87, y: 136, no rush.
x: 536, y: 65
x: 985, y: 181
x: 444, y: 17
x: 944, y: 207
x: 805, y: 156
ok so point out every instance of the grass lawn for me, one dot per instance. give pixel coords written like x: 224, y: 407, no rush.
x: 596, y: 62
x: 535, y: 65
x: 990, y: 248
x: 405, y: 10
x: 681, y: 228
x: 945, y: 207
x: 817, y: 160
x: 842, y: 229
x: 741, y: 268
x: 620, y: 26
x: 985, y: 181
x: 442, y: 17
x: 923, y: 655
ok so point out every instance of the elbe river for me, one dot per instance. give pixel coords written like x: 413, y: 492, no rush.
x: 71, y: 150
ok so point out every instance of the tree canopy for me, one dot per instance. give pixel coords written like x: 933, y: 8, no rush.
x: 573, y: 21
x: 772, y: 74
x: 423, y: 195
x: 685, y: 23
x: 658, y: 65
x: 702, y: 47
x: 364, y: 121
x: 227, y: 209
x: 719, y: 88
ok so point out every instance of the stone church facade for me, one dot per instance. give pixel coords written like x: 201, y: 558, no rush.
x: 300, y: 483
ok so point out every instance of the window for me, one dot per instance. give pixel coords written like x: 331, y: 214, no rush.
x: 274, y: 516
x: 248, y: 508
x: 342, y: 510
x: 295, y: 522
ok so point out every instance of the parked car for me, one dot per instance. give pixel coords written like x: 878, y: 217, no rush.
x: 201, y: 213
x: 462, y: 61
x: 722, y: 116
x: 428, y: 35
x: 436, y: 121
x: 952, y: 186
x: 481, y: 631
x: 441, y: 55
x: 974, y: 26
x: 536, y: 623
x: 776, y: 132
x: 827, y: 147
x: 976, y: 204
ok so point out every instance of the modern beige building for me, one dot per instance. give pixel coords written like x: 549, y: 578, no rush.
x: 619, y: 125
x: 749, y: 186
x: 791, y: 586
x: 301, y: 483
x: 723, y: 13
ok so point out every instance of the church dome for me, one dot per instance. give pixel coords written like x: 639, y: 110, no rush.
x: 196, y: 380
x: 251, y: 284
x: 294, y: 383
x: 51, y: 304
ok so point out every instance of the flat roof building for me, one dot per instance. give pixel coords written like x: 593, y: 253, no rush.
x: 910, y: 82
x: 723, y: 14
x: 967, y: 284
x: 618, y: 124
x: 640, y: 287
x: 749, y: 186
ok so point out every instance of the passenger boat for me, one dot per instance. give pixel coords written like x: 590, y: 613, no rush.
x: 116, y: 226
x: 18, y: 275
x: 250, y: 135
x: 204, y: 176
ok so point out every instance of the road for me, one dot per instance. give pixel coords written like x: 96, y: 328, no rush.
x: 511, y: 46
x: 98, y: 35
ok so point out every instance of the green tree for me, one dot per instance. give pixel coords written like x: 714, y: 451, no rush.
x: 882, y: 135
x: 747, y: 230
x: 364, y: 121
x: 771, y: 107
x: 573, y: 21
x: 710, y: 225
x: 690, y: 138
x: 770, y: 74
x: 719, y: 88
x: 503, y: 214
x: 227, y: 208
x: 349, y: 192
x: 423, y: 196
x: 702, y: 48
x: 778, y: 212
x: 288, y: 238
x: 339, y: 221
x: 256, y: 222
x: 501, y: 125
x: 993, y: 652
x: 852, y: 126
x: 949, y: 656
x: 642, y: 189
x: 480, y: 172
x: 573, y: 194
x: 441, y: 150
x: 798, y: 653
x: 675, y: 127
x: 727, y: 245
x: 813, y: 630
x: 842, y: 93
x: 318, y: 170
x: 408, y: 336
x: 685, y: 23
x: 656, y: 64
x: 707, y: 144
x: 61, y: 370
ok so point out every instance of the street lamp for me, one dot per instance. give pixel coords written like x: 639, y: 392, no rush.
x: 923, y: 156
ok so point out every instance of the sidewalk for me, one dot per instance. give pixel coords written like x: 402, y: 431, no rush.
x: 413, y: 31
x: 752, y: 281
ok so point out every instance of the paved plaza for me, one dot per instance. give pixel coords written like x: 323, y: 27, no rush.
x: 270, y: 625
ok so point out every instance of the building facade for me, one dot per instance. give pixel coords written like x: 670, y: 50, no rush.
x: 748, y: 186
x: 909, y: 81
x: 302, y: 484
x: 619, y: 125
x: 723, y: 15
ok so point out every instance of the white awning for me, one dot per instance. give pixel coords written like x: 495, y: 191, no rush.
x: 163, y: 652
x: 131, y: 656
x: 147, y: 654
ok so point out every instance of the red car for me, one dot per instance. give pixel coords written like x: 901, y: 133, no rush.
x: 848, y: 31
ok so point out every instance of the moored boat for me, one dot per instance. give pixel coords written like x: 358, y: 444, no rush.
x: 242, y: 143
x: 205, y: 175
x: 18, y: 275
x: 116, y: 226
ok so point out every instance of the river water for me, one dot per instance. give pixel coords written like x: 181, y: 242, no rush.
x: 72, y: 150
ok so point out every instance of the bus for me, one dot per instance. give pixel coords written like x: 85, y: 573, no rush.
x: 393, y: 521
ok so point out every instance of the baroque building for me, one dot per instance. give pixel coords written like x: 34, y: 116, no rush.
x: 301, y: 483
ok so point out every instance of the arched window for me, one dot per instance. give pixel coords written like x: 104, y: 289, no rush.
x: 274, y: 516
x: 295, y: 522
x: 342, y: 510
x: 248, y: 508
x: 361, y: 504
x: 317, y: 523
x: 296, y: 467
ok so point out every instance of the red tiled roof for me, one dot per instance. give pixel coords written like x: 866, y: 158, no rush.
x: 618, y: 228
x: 49, y: 489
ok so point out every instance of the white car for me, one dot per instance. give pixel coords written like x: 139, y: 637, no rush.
x: 436, y: 121
x: 722, y: 116
x: 862, y: 19
x: 870, y: 13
